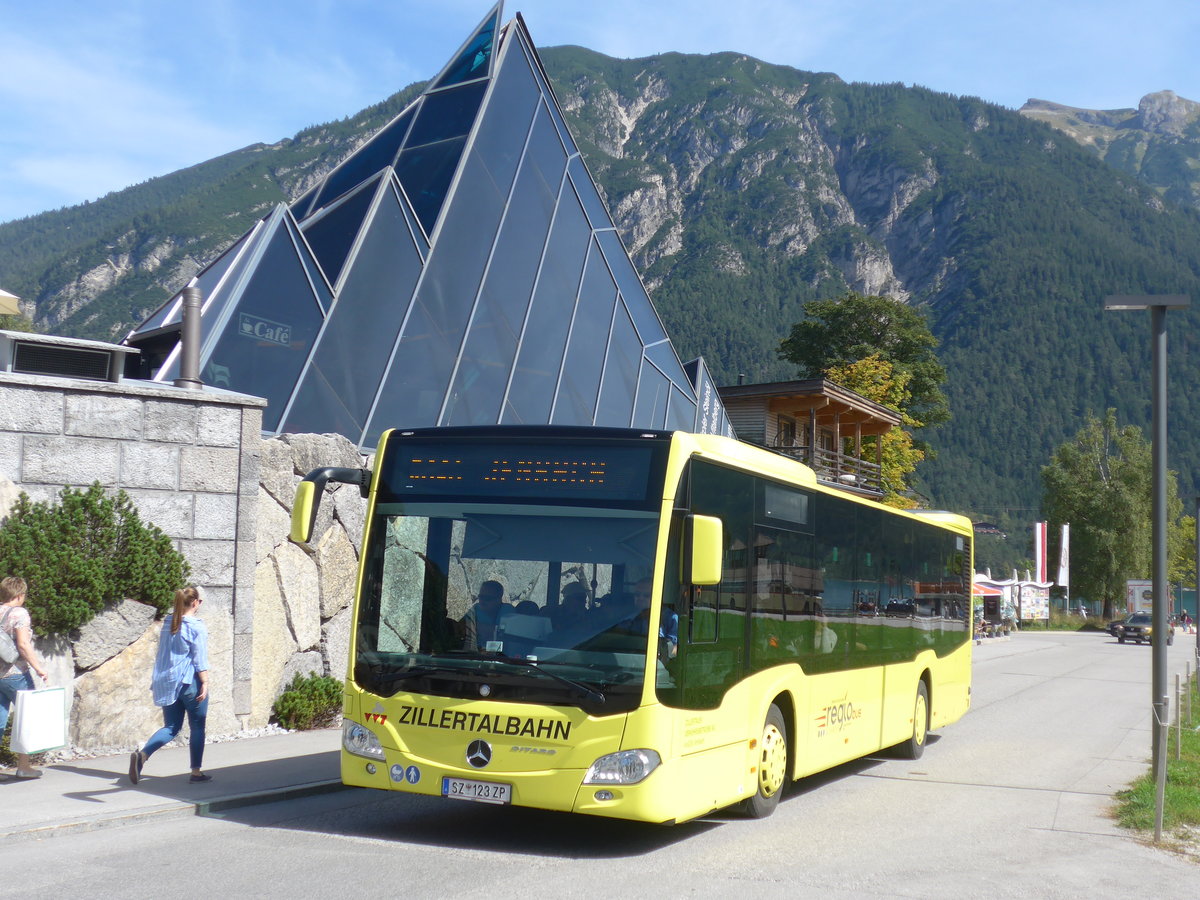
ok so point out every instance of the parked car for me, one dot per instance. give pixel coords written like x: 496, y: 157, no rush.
x: 898, y: 608
x: 1138, y: 627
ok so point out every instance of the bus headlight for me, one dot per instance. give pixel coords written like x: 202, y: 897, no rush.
x: 360, y: 741
x: 626, y: 767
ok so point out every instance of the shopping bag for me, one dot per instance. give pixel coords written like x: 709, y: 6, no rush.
x: 39, y: 721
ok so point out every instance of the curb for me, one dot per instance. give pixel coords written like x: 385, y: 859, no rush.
x: 182, y: 809
x: 295, y: 792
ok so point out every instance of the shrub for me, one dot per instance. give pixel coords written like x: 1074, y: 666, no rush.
x: 85, y: 551
x: 309, y: 702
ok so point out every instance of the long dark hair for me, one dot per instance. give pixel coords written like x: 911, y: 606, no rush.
x: 185, y: 598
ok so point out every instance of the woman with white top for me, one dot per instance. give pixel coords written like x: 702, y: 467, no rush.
x: 17, y: 676
x: 180, y: 683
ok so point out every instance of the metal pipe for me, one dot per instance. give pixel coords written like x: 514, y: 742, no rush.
x: 189, y: 351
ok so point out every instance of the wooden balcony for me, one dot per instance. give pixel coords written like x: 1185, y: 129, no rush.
x: 816, y: 422
x: 851, y: 473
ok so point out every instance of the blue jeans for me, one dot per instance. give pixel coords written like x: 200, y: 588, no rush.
x: 197, y: 713
x: 20, y: 681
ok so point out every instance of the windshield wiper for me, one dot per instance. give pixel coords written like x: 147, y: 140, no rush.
x: 588, y: 693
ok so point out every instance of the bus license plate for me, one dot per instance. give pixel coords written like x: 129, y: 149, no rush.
x: 479, y: 791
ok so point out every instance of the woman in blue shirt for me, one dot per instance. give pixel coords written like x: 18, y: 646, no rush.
x: 180, y: 683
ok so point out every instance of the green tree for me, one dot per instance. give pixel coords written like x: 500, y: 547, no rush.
x: 85, y: 551
x: 16, y: 323
x: 1100, y: 483
x: 835, y: 333
x: 877, y: 379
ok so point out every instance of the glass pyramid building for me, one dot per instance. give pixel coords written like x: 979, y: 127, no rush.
x: 459, y: 268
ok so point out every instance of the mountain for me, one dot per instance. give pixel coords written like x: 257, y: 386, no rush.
x: 1159, y: 142
x: 743, y: 190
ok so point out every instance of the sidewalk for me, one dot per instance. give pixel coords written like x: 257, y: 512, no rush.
x: 82, y: 795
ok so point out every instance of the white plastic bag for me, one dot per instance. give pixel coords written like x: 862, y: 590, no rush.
x: 39, y: 721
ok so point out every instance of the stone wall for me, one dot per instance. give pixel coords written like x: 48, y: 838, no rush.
x: 189, y: 460
x: 196, y: 466
x: 303, y: 595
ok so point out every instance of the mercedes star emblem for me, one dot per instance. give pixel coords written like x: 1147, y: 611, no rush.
x: 479, y: 753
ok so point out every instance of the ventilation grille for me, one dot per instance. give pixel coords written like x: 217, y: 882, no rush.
x: 67, y: 362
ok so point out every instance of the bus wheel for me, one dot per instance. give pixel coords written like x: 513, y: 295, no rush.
x: 772, y: 766
x: 915, y: 745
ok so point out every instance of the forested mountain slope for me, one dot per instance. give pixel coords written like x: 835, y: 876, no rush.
x: 1159, y: 142
x: 744, y: 190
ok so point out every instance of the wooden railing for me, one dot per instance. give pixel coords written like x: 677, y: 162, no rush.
x: 839, y: 469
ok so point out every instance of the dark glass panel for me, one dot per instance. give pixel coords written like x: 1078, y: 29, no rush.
x: 332, y: 234
x: 514, y: 265
x: 433, y: 335
x: 564, y: 133
x: 650, y: 408
x: 663, y: 355
x: 445, y: 115
x: 544, y: 338
x: 366, y: 161
x: 620, y: 373
x: 460, y: 254
x: 315, y: 276
x: 301, y: 205
x: 505, y: 299
x: 415, y: 384
x: 506, y: 117
x: 596, y: 210
x: 645, y: 317
x: 681, y: 411
x: 472, y: 60
x: 341, y: 383
x: 264, y: 345
x: 579, y: 385
x: 426, y: 173
x: 478, y: 388
x: 410, y: 216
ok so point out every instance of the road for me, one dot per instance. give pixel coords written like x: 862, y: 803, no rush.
x: 1013, y: 801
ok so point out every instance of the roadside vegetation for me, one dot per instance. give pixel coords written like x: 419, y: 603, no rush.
x: 1181, y: 800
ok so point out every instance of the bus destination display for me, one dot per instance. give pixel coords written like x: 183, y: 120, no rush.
x: 538, y: 472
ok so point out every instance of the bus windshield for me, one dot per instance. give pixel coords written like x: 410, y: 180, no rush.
x: 529, y: 604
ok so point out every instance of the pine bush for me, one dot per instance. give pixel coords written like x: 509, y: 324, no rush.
x: 87, y: 550
x: 309, y: 702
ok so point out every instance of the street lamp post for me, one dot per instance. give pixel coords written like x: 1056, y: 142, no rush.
x: 1158, y: 306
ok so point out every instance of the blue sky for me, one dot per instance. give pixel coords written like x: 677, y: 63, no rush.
x: 95, y: 96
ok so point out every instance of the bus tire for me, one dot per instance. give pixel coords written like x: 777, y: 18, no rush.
x: 772, y: 768
x: 915, y: 745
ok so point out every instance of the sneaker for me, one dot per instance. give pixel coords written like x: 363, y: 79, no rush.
x: 198, y: 779
x: 135, y: 766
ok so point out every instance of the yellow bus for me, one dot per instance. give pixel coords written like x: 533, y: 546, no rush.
x: 635, y: 624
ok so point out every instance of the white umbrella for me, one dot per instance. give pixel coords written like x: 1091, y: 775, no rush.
x: 8, y: 304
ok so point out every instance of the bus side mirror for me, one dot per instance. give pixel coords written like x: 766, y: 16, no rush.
x: 308, y: 497
x: 304, y: 512
x: 704, y: 550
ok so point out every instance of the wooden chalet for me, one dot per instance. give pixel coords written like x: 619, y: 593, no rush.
x: 817, y: 422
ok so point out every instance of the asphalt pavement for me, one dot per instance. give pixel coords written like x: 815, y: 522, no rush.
x: 87, y: 794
